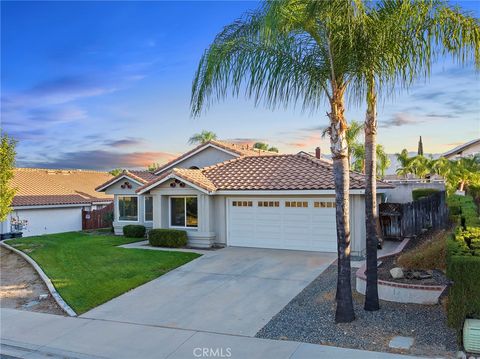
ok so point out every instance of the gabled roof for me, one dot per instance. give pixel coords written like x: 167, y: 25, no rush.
x: 141, y: 177
x: 231, y: 148
x: 275, y: 172
x: 40, y: 186
x: 461, y: 148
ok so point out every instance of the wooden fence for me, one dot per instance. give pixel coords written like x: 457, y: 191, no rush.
x: 400, y: 220
x: 98, y: 218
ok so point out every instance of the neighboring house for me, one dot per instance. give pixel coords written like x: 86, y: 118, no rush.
x: 467, y: 149
x: 226, y: 194
x: 51, y: 201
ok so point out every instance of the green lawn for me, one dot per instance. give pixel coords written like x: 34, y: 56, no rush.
x: 88, y: 270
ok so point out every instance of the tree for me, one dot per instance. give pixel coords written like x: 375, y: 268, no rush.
x: 463, y: 172
x: 153, y: 166
x: 397, y: 42
x: 292, y: 52
x: 202, y: 137
x: 7, y: 165
x: 116, y: 171
x: 420, y: 147
x: 265, y: 147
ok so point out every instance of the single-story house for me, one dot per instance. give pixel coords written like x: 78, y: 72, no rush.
x: 227, y: 194
x: 51, y: 201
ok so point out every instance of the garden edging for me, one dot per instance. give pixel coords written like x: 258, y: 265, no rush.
x: 51, y: 288
x: 400, y: 292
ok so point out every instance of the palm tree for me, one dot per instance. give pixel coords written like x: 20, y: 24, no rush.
x: 464, y: 172
x: 202, y: 137
x: 292, y: 52
x: 383, y: 161
x: 403, y: 157
x: 265, y: 147
x: 397, y: 42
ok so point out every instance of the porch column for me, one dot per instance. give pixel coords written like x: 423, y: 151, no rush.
x: 204, y: 236
x: 157, y: 211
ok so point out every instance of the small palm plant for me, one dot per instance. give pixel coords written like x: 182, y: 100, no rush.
x: 202, y: 137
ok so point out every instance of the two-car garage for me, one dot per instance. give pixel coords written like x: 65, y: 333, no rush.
x: 282, y: 223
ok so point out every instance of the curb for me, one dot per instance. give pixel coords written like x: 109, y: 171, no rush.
x: 58, y: 298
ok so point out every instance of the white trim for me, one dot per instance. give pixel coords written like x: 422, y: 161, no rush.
x: 185, y: 211
x: 16, y: 208
x: 144, y: 211
x: 118, y: 208
x: 173, y: 176
x: 290, y: 192
x: 200, y: 149
x: 101, y: 189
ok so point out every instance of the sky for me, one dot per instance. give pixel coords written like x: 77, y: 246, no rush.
x: 103, y: 85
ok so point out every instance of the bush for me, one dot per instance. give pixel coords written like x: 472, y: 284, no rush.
x: 423, y: 192
x: 464, y: 294
x: 468, y: 209
x: 429, y: 255
x: 134, y: 231
x: 171, y: 238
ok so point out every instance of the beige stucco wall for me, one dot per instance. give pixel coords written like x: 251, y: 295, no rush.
x: 207, y: 157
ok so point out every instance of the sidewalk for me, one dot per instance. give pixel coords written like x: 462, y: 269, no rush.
x: 37, y: 335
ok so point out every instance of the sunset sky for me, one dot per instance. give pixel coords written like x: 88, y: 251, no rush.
x: 107, y: 84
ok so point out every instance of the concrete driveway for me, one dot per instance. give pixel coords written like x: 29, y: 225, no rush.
x: 230, y: 291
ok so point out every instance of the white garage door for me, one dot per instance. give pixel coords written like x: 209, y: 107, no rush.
x: 50, y: 220
x: 296, y: 223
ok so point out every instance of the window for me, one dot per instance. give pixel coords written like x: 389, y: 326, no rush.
x: 296, y: 204
x: 127, y: 208
x: 183, y: 212
x: 148, y: 208
x: 324, y: 204
x: 268, y: 204
x: 242, y: 204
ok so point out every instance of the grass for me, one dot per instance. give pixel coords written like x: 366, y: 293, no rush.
x: 428, y: 255
x: 88, y: 270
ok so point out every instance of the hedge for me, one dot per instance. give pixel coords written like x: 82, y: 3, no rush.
x: 463, y: 262
x: 134, y: 231
x: 423, y: 192
x: 171, y: 238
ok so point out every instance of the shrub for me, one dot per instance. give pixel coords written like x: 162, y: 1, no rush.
x: 171, y: 238
x: 429, y: 255
x: 134, y: 231
x: 464, y: 294
x: 468, y: 209
x: 423, y: 192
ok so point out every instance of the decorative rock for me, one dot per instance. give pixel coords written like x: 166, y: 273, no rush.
x: 396, y: 273
x: 43, y: 296
x: 461, y: 355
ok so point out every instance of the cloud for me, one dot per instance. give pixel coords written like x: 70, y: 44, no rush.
x: 400, y: 119
x: 246, y: 140
x: 126, y: 142
x: 101, y: 160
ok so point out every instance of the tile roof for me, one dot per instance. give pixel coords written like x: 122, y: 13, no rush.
x: 239, y: 149
x: 140, y: 176
x: 39, y: 186
x: 275, y: 172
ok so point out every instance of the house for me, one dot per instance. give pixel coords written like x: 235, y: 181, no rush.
x: 467, y: 149
x: 225, y: 194
x: 51, y: 201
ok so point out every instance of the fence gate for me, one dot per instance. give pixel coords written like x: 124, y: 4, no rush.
x: 400, y: 220
x: 98, y: 218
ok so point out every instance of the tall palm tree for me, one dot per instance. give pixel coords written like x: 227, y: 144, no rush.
x: 397, y: 42
x: 292, y: 52
x: 202, y: 137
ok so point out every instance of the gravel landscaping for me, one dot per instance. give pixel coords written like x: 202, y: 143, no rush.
x: 310, y: 317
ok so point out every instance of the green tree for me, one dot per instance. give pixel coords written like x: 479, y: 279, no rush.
x: 116, y: 171
x: 265, y: 147
x: 420, y: 147
x: 292, y: 52
x: 463, y: 172
x: 202, y: 137
x: 153, y: 166
x: 7, y: 165
x: 396, y: 44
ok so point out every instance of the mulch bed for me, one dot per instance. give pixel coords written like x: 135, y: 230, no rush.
x: 310, y: 317
x: 438, y: 277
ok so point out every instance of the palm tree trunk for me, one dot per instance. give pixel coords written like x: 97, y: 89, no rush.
x: 338, y: 125
x: 371, y: 216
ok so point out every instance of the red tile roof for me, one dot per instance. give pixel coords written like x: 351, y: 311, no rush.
x: 39, y: 186
x: 241, y: 150
x: 275, y: 172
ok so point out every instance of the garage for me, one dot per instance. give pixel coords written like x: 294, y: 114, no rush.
x: 283, y: 223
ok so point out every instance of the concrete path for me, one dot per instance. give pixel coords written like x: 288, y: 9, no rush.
x: 38, y: 335
x: 227, y: 291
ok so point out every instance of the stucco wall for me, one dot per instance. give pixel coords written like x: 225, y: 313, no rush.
x: 207, y: 157
x: 402, y: 193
